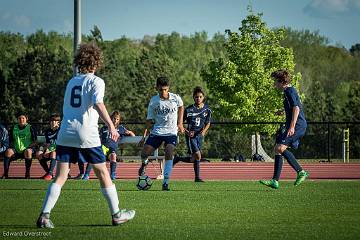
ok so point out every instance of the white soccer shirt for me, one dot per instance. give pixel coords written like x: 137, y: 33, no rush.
x: 79, y: 126
x: 164, y: 113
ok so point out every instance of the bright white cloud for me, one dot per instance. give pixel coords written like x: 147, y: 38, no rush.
x: 332, y: 8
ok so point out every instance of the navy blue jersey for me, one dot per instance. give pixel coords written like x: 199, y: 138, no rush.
x: 106, y: 138
x: 292, y: 99
x: 197, y: 118
x: 51, y: 135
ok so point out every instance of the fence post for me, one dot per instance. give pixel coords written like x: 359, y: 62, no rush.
x: 328, y: 143
x: 346, y: 143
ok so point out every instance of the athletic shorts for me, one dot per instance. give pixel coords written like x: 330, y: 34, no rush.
x: 155, y: 141
x: 21, y: 155
x: 194, y: 144
x: 290, y: 141
x: 73, y: 155
x: 107, y: 151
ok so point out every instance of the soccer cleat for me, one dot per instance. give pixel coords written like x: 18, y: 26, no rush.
x: 79, y: 176
x: 165, y: 187
x: 301, y: 176
x: 113, y: 176
x: 270, y: 183
x: 86, y: 177
x: 199, y: 180
x: 5, y: 176
x: 44, y: 221
x: 122, y: 216
x: 47, y: 177
x: 142, y: 168
x: 27, y: 175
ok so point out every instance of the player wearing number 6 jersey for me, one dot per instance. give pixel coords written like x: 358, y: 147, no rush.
x: 78, y: 136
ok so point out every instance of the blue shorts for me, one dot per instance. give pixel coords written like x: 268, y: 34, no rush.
x: 155, y: 141
x: 194, y: 144
x: 73, y: 155
x: 290, y: 141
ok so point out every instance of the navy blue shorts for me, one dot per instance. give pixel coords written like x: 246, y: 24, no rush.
x: 290, y: 141
x: 194, y: 144
x: 155, y: 141
x: 73, y: 155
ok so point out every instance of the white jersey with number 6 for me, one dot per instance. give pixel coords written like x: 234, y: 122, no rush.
x: 79, y: 126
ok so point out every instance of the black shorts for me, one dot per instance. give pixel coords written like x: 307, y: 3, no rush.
x: 290, y: 141
x: 155, y: 140
x: 194, y: 144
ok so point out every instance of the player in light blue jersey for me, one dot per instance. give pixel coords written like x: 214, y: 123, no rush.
x: 198, y: 117
x: 165, y: 119
x: 78, y: 136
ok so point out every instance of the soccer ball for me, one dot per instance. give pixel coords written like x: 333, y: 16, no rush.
x: 144, y: 183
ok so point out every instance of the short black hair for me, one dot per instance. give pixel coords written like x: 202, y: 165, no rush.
x: 22, y: 113
x: 162, y: 81
x: 282, y: 76
x: 197, y: 90
x: 55, y: 117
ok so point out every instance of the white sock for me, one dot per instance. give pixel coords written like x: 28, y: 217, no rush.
x: 167, y: 171
x: 111, y: 197
x: 52, y: 195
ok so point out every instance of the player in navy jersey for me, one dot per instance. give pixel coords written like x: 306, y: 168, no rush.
x: 290, y: 134
x: 109, y: 146
x: 48, y: 151
x: 198, y: 117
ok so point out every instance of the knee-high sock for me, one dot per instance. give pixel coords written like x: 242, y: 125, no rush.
x: 292, y: 160
x: 167, y: 171
x: 277, y: 167
x: 52, y: 195
x: 112, y: 167
x: 88, y: 169
x: 52, y: 165
x: 197, y: 169
x: 6, y: 165
x: 81, y: 167
x: 28, y: 162
x: 44, y: 165
x: 111, y: 197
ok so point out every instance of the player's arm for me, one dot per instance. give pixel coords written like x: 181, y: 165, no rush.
x: 295, y: 115
x: 33, y: 137
x: 205, y: 129
x: 104, y: 115
x: 181, y: 119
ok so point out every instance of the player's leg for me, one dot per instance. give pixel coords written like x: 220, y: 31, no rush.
x: 9, y: 153
x: 97, y: 159
x: 43, y: 162
x: 28, y: 161
x: 87, y: 172
x: 113, y: 165
x: 52, y: 195
x: 145, y: 153
x: 81, y: 166
x: 169, y: 154
x: 196, y: 149
x: 52, y: 157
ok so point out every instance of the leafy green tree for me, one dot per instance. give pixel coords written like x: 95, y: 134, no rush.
x: 242, y: 84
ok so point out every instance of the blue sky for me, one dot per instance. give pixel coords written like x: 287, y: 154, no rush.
x: 337, y: 19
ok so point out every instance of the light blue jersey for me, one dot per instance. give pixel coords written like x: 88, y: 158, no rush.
x: 164, y: 113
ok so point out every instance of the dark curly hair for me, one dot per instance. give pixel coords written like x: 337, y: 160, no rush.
x: 88, y: 58
x: 282, y: 76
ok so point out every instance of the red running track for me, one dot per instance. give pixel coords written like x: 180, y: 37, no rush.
x: 213, y: 171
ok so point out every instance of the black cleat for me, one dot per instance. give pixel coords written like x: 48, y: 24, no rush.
x: 165, y: 187
x: 199, y: 180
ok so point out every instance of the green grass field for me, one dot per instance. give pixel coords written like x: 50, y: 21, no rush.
x: 212, y: 210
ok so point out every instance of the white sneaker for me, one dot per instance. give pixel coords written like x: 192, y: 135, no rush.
x: 122, y: 216
x: 160, y: 176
